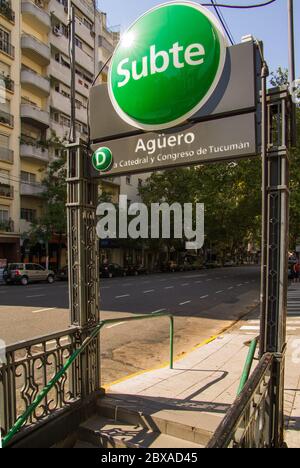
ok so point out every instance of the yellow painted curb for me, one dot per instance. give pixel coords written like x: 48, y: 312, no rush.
x: 179, y: 357
x: 182, y: 355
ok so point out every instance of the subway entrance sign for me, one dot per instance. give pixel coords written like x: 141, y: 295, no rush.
x: 176, y: 95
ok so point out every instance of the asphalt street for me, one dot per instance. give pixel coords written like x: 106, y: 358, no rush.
x: 204, y: 303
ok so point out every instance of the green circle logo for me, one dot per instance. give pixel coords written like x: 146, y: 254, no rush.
x: 167, y: 65
x: 102, y: 159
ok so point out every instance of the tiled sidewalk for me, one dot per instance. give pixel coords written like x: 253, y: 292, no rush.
x: 204, y: 383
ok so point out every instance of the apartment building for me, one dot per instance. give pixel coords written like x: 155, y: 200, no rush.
x: 35, y: 104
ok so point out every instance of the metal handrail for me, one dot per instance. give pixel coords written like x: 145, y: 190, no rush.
x: 95, y: 332
x: 224, y: 434
x: 248, y: 364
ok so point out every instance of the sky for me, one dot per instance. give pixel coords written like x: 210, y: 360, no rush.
x: 268, y: 24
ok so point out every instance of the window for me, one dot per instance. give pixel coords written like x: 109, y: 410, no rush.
x: 4, y: 40
x: 78, y: 43
x: 28, y: 177
x: 28, y: 215
x: 4, y: 140
x: 4, y: 215
x: 128, y: 180
x: 4, y: 69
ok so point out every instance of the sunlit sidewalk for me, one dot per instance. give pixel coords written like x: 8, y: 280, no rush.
x: 204, y: 383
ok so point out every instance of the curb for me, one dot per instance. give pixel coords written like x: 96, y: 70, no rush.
x: 182, y: 355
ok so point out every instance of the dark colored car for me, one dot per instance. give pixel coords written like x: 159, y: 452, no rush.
x: 170, y: 267
x: 136, y: 270
x: 112, y: 270
x: 63, y: 274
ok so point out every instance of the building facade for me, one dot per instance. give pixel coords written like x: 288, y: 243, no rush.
x: 35, y: 83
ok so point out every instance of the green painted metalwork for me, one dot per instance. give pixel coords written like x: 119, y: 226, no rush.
x: 248, y: 365
x: 23, y: 418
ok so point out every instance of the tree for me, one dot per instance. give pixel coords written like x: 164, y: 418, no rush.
x: 281, y: 78
x: 231, y: 195
x: 53, y: 220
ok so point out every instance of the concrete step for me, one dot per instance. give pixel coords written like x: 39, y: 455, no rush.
x: 106, y: 433
x: 181, y: 422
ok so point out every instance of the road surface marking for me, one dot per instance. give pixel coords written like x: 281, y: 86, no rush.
x: 37, y: 295
x: 198, y: 282
x: 150, y: 291
x: 185, y: 284
x: 204, y: 297
x: 258, y: 328
x: 115, y: 325
x: 231, y: 287
x: 121, y: 297
x: 169, y: 287
x: 239, y: 285
x: 158, y: 311
x: 219, y: 292
x: 185, y: 303
x: 43, y: 310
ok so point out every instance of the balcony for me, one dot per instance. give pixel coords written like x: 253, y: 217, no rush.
x: 7, y: 11
x: 61, y: 43
x: 31, y: 190
x: 35, y: 116
x: 63, y: 104
x: 7, y: 48
x: 6, y: 155
x: 7, y: 226
x: 35, y: 83
x: 7, y: 83
x: 6, y: 191
x: 37, y: 16
x: 32, y: 152
x: 35, y: 49
x: 6, y: 119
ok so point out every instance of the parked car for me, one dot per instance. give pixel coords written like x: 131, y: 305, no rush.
x: 136, y: 270
x: 170, y: 266
x: 63, y: 274
x: 24, y: 273
x: 229, y: 263
x: 112, y: 270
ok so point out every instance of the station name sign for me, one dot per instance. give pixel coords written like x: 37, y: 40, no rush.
x: 221, y: 139
x: 176, y: 95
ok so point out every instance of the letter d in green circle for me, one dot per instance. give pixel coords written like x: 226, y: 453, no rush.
x: 102, y: 159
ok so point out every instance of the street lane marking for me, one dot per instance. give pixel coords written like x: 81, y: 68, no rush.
x: 198, y: 282
x: 43, y: 310
x: 169, y: 287
x: 115, y: 325
x: 219, y: 292
x: 121, y: 297
x: 185, y: 303
x: 204, y: 297
x: 185, y: 284
x: 37, y: 295
x: 231, y: 287
x: 158, y: 311
x: 148, y: 292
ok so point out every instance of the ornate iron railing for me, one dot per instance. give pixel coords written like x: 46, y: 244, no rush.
x: 29, y: 367
x: 50, y: 375
x: 247, y: 423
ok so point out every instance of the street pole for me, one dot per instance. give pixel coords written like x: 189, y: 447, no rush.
x: 72, y: 23
x: 292, y: 67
